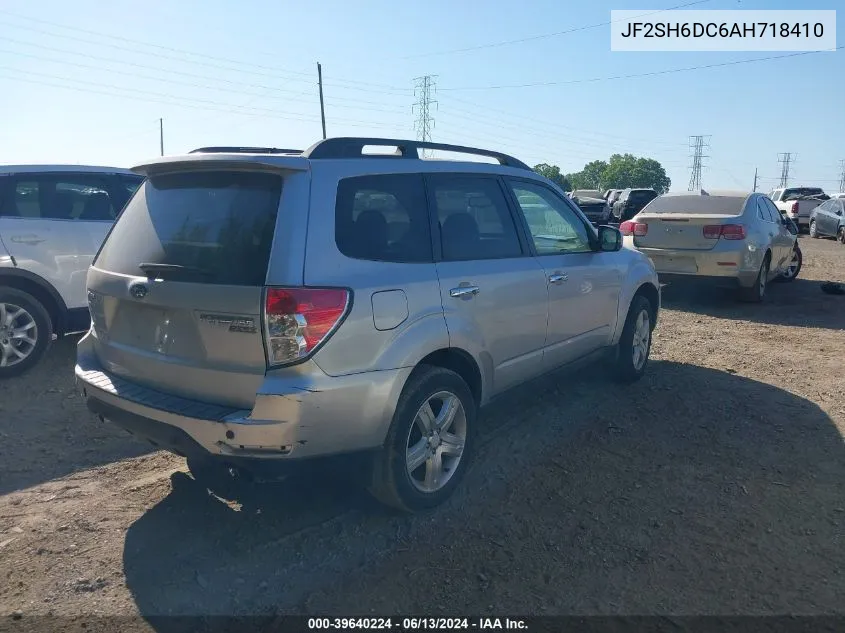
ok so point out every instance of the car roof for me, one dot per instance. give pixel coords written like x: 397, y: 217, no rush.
x: 340, y: 149
x: 45, y: 168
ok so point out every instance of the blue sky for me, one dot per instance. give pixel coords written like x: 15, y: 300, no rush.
x: 86, y: 82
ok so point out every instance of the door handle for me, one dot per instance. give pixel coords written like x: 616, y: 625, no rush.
x: 464, y: 291
x: 558, y: 278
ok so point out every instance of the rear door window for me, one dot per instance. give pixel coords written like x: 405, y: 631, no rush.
x: 66, y: 196
x: 474, y: 219
x: 383, y: 218
x: 211, y: 227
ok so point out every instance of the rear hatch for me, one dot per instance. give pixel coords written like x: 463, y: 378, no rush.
x: 176, y: 292
x: 678, y: 222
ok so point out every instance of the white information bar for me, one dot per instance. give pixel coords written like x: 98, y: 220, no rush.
x: 757, y: 30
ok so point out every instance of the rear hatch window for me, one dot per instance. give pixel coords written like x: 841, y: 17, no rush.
x: 212, y: 227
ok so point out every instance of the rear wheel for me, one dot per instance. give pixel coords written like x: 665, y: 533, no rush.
x: 757, y: 292
x: 429, y: 443
x: 25, y: 332
x: 813, y: 231
x: 793, y: 268
x: 635, y: 343
x: 840, y: 235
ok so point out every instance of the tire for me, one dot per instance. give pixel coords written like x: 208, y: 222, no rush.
x: 634, y: 345
x: 757, y: 292
x: 393, y: 482
x: 22, y: 314
x: 840, y: 235
x: 813, y: 231
x: 791, y: 273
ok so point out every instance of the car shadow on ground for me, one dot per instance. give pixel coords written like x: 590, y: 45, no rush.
x: 800, y: 303
x: 46, y: 431
x: 692, y: 491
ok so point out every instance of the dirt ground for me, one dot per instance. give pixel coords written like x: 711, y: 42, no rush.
x: 716, y: 485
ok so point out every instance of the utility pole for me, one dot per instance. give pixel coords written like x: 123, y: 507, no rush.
x: 423, y: 87
x: 322, y: 106
x: 161, y: 135
x: 842, y: 176
x: 785, y: 159
x: 755, y: 179
x: 697, y: 144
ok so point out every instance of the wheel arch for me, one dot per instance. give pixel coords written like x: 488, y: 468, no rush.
x: 42, y: 290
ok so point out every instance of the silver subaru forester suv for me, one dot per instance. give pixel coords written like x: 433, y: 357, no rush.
x: 256, y: 309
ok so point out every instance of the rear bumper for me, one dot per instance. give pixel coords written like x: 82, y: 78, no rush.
x: 335, y: 415
x: 735, y: 267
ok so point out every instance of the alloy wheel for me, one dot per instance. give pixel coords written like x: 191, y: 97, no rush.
x: 18, y: 334
x: 436, y: 441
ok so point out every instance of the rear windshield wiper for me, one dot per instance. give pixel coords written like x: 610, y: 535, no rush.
x: 159, y: 269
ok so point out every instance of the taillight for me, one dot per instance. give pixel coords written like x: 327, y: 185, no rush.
x: 629, y: 227
x: 298, y: 320
x: 728, y: 231
x: 794, y: 208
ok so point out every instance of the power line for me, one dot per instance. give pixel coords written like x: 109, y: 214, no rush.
x: 423, y: 87
x: 522, y: 118
x: 276, y: 70
x: 638, y: 75
x: 263, y: 94
x: 785, y: 160
x: 258, y: 112
x: 548, y: 35
x: 698, y: 144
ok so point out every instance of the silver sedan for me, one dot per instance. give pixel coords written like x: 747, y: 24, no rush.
x: 729, y: 238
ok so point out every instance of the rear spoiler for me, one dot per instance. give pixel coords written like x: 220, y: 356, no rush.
x: 217, y: 161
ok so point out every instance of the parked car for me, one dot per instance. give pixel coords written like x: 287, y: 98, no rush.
x: 53, y: 219
x: 728, y: 238
x: 613, y: 196
x: 798, y: 203
x: 592, y: 204
x: 257, y: 310
x: 631, y: 201
x: 828, y: 219
x: 840, y: 195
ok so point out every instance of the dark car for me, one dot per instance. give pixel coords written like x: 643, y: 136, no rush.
x: 631, y: 202
x: 829, y: 219
x: 592, y: 205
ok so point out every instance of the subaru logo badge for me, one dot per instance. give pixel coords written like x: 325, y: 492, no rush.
x: 138, y: 290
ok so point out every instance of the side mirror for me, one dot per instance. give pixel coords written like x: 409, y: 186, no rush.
x: 610, y: 239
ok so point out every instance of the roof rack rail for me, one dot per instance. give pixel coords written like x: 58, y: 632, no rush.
x: 352, y: 147
x: 244, y: 150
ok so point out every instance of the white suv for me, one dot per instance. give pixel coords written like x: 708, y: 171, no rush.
x: 53, y: 219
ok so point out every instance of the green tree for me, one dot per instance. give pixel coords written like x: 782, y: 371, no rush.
x: 627, y: 170
x: 552, y: 172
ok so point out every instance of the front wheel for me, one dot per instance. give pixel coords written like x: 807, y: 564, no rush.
x: 635, y: 343
x: 813, y: 230
x: 794, y: 266
x: 840, y: 235
x: 429, y: 443
x: 26, y: 332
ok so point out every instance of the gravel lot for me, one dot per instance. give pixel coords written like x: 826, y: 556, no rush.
x: 716, y: 485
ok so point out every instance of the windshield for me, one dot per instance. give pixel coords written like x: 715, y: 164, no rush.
x: 803, y: 192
